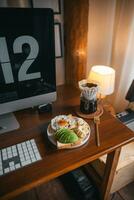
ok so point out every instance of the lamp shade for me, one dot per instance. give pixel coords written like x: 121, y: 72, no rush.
x: 104, y: 76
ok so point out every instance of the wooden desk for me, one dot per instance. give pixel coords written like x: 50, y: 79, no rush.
x: 55, y: 162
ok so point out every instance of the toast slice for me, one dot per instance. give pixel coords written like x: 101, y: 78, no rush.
x: 68, y: 145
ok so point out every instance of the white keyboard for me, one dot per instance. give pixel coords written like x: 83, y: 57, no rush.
x: 17, y: 156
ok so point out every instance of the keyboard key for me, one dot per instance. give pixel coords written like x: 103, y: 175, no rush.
x: 4, y: 151
x: 33, y: 159
x: 11, y: 164
x: 17, y: 166
x: 4, y: 156
x: 15, y: 153
x: 14, y: 148
x: 6, y: 170
x: 38, y: 157
x: 25, y: 163
x: 22, y: 160
x: 31, y: 154
x: 1, y: 172
x: 9, y: 150
x: 10, y: 155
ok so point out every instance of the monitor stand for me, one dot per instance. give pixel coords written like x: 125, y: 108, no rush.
x: 8, y: 122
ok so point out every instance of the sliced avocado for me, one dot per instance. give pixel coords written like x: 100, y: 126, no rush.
x: 59, y: 133
x: 72, y: 138
x: 66, y: 136
x: 63, y: 136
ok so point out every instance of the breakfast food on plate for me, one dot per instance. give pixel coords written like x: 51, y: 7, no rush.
x: 68, y: 130
x: 64, y: 135
x: 63, y: 121
x: 82, y: 128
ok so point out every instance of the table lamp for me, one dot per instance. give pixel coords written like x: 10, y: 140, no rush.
x: 104, y: 77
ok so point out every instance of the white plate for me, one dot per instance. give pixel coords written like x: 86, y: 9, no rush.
x: 53, y: 140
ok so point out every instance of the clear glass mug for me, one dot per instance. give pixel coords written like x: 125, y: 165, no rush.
x: 88, y: 98
x: 88, y: 106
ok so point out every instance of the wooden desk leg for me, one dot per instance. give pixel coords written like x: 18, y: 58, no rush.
x: 110, y: 168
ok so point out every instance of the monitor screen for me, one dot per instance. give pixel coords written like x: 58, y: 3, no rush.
x: 27, y: 58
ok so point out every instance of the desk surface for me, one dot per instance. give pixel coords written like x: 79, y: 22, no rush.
x: 113, y: 134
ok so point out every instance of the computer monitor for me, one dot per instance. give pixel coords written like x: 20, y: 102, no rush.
x: 27, y: 61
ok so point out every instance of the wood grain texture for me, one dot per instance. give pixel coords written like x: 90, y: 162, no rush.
x: 110, y: 168
x: 75, y: 30
x: 113, y: 134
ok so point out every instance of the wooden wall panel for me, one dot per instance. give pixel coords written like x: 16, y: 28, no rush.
x: 75, y: 30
